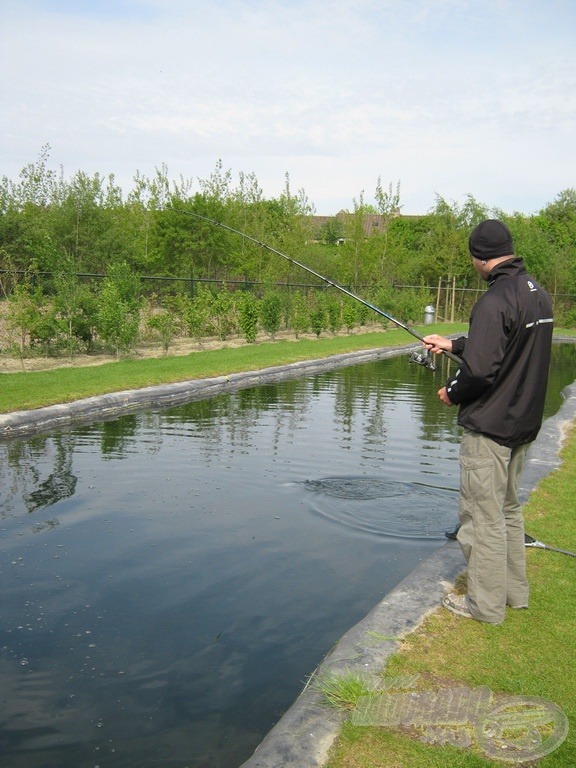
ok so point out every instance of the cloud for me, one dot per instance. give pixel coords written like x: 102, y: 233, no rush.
x: 453, y: 97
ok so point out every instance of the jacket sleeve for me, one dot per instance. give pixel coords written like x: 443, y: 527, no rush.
x: 458, y: 345
x: 482, y: 353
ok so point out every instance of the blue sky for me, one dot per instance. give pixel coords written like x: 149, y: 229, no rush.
x: 446, y: 97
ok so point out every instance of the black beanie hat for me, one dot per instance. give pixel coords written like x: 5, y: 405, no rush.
x: 490, y: 240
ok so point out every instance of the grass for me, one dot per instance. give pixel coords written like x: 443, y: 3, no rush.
x: 531, y: 654
x: 342, y: 691
x: 34, y: 389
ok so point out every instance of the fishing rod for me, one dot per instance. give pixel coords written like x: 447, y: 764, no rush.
x: 415, y: 357
x: 529, y: 541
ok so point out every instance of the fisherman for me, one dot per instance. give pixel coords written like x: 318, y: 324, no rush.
x: 500, y: 389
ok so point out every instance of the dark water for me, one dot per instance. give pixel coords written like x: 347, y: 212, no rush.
x: 169, y: 580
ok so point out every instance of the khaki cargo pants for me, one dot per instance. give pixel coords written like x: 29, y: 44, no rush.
x: 492, y: 526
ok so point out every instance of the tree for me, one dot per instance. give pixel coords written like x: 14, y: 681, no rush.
x: 388, y: 203
x: 353, y: 252
x: 166, y: 324
x: 74, y: 305
x: 298, y: 317
x: 249, y: 310
x: 119, y: 309
x: 24, y: 313
x: 271, y: 313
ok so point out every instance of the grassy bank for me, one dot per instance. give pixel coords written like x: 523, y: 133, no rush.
x: 531, y: 654
x: 34, y: 389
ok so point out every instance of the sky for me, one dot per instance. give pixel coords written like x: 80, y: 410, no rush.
x: 445, y: 98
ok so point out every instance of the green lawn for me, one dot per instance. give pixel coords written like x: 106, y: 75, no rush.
x: 34, y: 389
x: 532, y: 654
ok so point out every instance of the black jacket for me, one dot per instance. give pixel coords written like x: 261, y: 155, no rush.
x: 501, y: 385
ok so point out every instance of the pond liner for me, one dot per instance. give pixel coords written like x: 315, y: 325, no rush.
x: 304, y: 735
x: 115, y: 404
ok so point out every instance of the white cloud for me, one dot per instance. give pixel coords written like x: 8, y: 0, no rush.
x: 450, y: 97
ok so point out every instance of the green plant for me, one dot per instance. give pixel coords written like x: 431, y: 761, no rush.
x: 349, y: 315
x: 342, y: 691
x: 196, y: 313
x: 318, y: 320
x: 334, y: 313
x: 24, y: 313
x: 222, y: 314
x: 271, y: 313
x: 249, y: 308
x: 117, y: 319
x: 166, y: 325
x: 298, y: 317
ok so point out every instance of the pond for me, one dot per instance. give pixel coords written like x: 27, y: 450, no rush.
x: 170, y: 579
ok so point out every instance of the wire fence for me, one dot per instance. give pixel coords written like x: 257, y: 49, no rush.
x: 449, y: 302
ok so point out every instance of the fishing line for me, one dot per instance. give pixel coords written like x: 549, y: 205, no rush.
x: 415, y: 357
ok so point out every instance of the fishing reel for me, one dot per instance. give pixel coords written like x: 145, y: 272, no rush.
x: 422, y: 359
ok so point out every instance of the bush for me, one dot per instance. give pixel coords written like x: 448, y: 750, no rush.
x: 223, y: 314
x: 298, y: 316
x: 249, y: 310
x: 166, y: 325
x: 349, y: 315
x: 318, y: 320
x: 117, y: 320
x: 334, y: 313
x: 271, y: 313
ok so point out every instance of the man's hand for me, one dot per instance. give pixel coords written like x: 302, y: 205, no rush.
x: 437, y: 344
x: 443, y: 395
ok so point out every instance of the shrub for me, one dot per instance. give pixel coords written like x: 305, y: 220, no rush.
x: 271, y: 313
x: 249, y: 310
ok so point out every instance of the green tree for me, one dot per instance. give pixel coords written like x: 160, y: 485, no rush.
x: 249, y: 311
x: 388, y: 204
x: 299, y: 315
x: 333, y: 313
x: 197, y: 314
x: 318, y: 319
x: 349, y: 315
x: 166, y: 325
x: 182, y: 245
x: 24, y: 314
x: 74, y: 305
x: 271, y: 313
x: 222, y: 313
x: 119, y: 303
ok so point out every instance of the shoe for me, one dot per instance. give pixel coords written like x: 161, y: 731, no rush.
x: 452, y: 535
x: 457, y: 604
x: 517, y: 607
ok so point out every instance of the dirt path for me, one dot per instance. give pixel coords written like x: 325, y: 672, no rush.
x: 180, y: 346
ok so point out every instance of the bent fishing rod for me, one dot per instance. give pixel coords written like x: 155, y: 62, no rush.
x: 415, y: 357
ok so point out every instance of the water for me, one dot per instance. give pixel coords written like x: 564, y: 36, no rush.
x: 170, y: 579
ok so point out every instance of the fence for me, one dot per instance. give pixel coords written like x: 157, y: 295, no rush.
x: 451, y: 302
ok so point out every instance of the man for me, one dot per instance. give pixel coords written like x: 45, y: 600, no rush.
x: 500, y: 388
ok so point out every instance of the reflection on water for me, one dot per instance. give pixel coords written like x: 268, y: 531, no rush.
x: 169, y: 579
